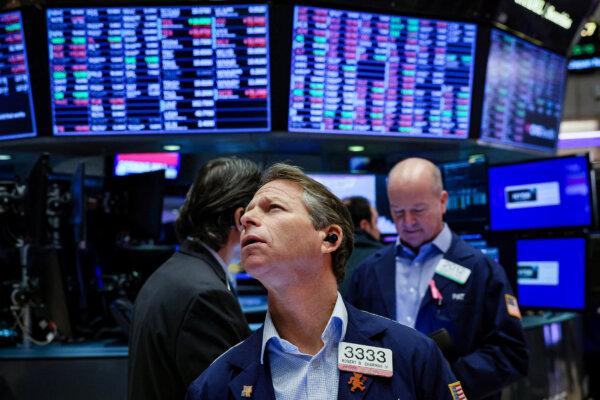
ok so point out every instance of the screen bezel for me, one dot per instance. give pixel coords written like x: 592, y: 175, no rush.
x: 465, y: 226
x: 116, y: 163
x: 540, y: 229
x: 80, y: 5
x: 474, y: 79
x: 515, y: 145
x: 26, y: 51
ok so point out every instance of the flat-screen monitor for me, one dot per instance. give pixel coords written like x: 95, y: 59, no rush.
x: 550, y: 193
x: 375, y: 74
x: 348, y: 185
x: 551, y: 273
x: 554, y: 23
x: 136, y: 163
x: 142, y: 70
x: 17, y: 118
x: 523, y: 94
x: 466, y: 184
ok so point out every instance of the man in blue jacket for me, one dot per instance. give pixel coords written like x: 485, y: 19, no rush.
x: 433, y: 281
x: 296, y: 238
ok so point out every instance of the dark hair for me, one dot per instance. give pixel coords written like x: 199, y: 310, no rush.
x: 221, y: 186
x: 359, y: 208
x: 324, y: 209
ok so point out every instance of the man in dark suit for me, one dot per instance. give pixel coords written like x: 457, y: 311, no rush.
x: 366, y: 235
x: 433, y: 281
x: 186, y: 314
x: 296, y: 239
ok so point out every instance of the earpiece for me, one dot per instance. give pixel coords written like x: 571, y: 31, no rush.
x: 331, y: 238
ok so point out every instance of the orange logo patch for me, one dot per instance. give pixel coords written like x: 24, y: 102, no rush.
x: 357, y: 381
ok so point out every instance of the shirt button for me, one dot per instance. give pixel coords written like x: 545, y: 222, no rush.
x: 412, y: 290
x: 409, y: 319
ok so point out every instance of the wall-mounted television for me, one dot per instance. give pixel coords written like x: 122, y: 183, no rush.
x: 551, y: 193
x: 523, y: 94
x: 137, y: 163
x: 466, y: 184
x: 17, y: 117
x: 165, y: 70
x: 379, y: 74
x: 551, y: 273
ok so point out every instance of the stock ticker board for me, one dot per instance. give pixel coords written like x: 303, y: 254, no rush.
x: 373, y: 74
x: 16, y: 108
x: 133, y: 70
x: 524, y: 91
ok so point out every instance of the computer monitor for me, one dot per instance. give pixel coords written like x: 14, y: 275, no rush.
x: 348, y: 185
x: 159, y: 69
x: 136, y: 163
x: 140, y: 198
x: 476, y: 240
x: 17, y: 117
x: 466, y: 184
x: 551, y: 193
x: 551, y: 273
x: 376, y: 74
x: 523, y: 94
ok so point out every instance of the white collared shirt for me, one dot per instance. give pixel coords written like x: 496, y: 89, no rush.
x: 299, y: 376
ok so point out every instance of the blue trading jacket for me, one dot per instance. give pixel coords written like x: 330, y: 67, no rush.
x: 420, y: 372
x: 489, y: 350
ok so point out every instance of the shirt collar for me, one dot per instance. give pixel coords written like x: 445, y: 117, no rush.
x: 338, y: 316
x: 442, y: 241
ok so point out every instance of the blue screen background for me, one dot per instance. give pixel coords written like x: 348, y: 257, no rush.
x: 570, y: 292
x: 574, y: 209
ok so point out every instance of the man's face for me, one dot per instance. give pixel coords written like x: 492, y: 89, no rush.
x: 279, y: 241
x: 417, y: 211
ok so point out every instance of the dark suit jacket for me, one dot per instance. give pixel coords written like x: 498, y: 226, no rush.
x: 364, y: 246
x: 184, y: 318
x: 489, y: 349
x: 420, y: 371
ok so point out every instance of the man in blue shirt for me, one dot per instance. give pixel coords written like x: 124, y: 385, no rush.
x: 296, y: 238
x: 433, y: 281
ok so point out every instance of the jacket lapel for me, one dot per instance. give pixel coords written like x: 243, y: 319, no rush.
x: 456, y: 254
x: 360, y: 332
x: 385, y: 274
x: 254, y: 382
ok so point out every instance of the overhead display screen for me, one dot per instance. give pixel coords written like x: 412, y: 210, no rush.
x: 524, y: 92
x: 540, y: 194
x: 16, y: 107
x: 137, y: 163
x: 466, y: 184
x: 134, y: 70
x: 551, y: 273
x: 374, y: 74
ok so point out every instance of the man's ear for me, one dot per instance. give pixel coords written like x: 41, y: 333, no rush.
x: 444, y: 201
x: 332, y: 238
x: 237, y: 217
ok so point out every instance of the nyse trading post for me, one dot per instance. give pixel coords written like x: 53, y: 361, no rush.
x: 373, y: 74
x: 524, y: 92
x: 16, y: 108
x: 159, y: 69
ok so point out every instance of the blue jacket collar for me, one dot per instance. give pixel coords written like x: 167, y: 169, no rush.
x: 361, y: 329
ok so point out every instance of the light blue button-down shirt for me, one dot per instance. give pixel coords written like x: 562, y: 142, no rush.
x: 413, y: 273
x: 299, y: 376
